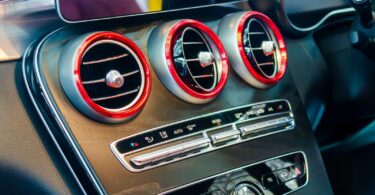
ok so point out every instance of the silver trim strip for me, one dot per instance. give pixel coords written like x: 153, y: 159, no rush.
x: 225, y: 136
x: 243, y: 167
x: 320, y: 22
x: 49, y: 131
x: 59, y: 121
x: 170, y: 151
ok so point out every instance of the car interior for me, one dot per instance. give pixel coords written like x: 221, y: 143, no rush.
x: 221, y: 97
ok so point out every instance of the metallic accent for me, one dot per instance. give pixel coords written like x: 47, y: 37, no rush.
x: 206, y: 58
x: 225, y: 136
x: 171, y: 151
x: 258, y: 127
x: 317, y: 24
x: 114, y: 79
x: 244, y: 167
x: 268, y: 48
x: 48, y: 101
x: 127, y: 165
x: 105, y: 59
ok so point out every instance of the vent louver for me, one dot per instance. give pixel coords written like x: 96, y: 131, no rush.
x: 194, y: 61
x: 111, y: 76
x: 195, y: 67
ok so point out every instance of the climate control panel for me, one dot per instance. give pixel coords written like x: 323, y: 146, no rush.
x: 185, y: 139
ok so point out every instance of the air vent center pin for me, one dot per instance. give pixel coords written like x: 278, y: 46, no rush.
x: 205, y: 58
x: 114, y: 79
x: 268, y: 47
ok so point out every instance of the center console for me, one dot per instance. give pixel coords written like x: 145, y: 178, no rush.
x: 167, y: 105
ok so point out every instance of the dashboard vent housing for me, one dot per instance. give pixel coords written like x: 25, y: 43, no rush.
x: 106, y: 77
x: 195, y: 67
x: 256, y: 47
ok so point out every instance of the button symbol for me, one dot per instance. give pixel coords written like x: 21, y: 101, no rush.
x: 269, y: 179
x: 163, y: 134
x: 178, y: 131
x: 134, y: 144
x: 280, y: 107
x: 270, y: 109
x: 251, y: 112
x: 216, y: 121
x: 149, y: 139
x: 260, y: 111
x: 238, y: 115
x: 191, y: 127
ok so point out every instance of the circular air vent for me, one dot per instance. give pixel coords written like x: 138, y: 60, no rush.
x: 255, y: 46
x: 195, y: 66
x: 106, y: 76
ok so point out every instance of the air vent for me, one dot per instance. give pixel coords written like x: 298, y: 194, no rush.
x: 257, y: 48
x: 195, y: 66
x: 108, y: 79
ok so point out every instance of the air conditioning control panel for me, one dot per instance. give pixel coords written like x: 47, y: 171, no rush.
x: 185, y: 139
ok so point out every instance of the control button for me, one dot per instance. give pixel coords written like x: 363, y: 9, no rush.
x: 225, y: 136
x: 170, y: 151
x: 269, y: 180
x: 254, y: 128
x: 284, y: 175
x: 246, y: 189
x: 297, y: 171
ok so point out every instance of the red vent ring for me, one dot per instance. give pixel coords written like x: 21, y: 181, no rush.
x: 121, y: 114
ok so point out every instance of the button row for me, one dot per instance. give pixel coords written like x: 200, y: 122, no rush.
x: 281, y: 176
x: 171, y: 151
x: 216, y: 138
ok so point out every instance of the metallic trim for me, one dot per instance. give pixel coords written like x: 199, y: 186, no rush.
x: 70, y: 79
x: 142, y: 14
x: 65, y: 130
x: 243, y: 167
x: 171, y: 151
x: 231, y: 33
x: 159, y: 45
x: 225, y: 136
x: 320, y: 22
x: 120, y: 156
x: 28, y: 89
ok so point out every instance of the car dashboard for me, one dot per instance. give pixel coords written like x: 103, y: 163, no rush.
x: 217, y: 99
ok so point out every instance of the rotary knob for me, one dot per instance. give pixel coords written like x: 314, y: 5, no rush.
x: 246, y: 189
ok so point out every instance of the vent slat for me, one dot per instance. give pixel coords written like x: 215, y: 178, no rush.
x: 105, y: 59
x: 203, y: 76
x: 266, y: 63
x: 115, y: 96
x: 193, y: 43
